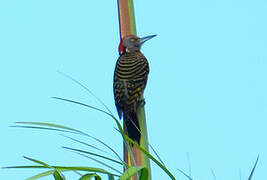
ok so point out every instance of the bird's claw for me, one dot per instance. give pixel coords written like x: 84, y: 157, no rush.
x: 141, y: 103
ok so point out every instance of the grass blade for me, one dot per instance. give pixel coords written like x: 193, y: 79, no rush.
x: 150, y: 156
x: 110, y: 177
x: 52, y: 125
x: 87, y: 89
x: 43, y: 174
x: 155, y: 152
x: 24, y: 167
x: 37, y: 161
x: 82, y: 104
x: 66, y: 168
x: 254, y: 167
x: 58, y: 176
x: 65, y: 129
x: 184, y: 174
x: 130, y: 172
x: 100, y: 110
x: 100, y: 162
x: 90, y: 176
x: 87, y: 152
x: 84, y: 143
x: 144, y: 174
x: 43, y: 128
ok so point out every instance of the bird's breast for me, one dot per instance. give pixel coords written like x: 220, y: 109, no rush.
x: 131, y: 65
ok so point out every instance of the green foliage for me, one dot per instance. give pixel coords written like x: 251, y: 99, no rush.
x: 56, y: 171
x: 134, y: 170
x: 58, y: 176
x: 93, y: 172
x: 90, y: 176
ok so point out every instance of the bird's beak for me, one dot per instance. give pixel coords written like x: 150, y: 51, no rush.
x: 144, y: 39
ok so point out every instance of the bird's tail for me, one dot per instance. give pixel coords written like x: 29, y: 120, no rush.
x: 132, y: 125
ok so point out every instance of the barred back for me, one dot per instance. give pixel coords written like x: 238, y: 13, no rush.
x: 130, y: 78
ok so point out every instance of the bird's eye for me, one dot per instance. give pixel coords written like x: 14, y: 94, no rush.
x: 132, y: 39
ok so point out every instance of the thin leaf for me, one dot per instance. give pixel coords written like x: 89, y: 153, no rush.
x: 24, y: 167
x: 110, y: 148
x: 43, y: 128
x: 125, y: 137
x: 66, y: 168
x: 100, y: 110
x: 58, y: 176
x: 38, y: 162
x: 51, y: 125
x: 88, y: 169
x: 154, y: 151
x: 43, y: 174
x: 130, y: 172
x: 110, y: 177
x: 90, y: 176
x: 100, y: 162
x: 47, y: 173
x: 87, y: 152
x: 72, y: 130
x: 184, y: 174
x: 87, y: 89
x: 129, y: 149
x: 82, y: 104
x: 84, y: 143
x: 252, y: 172
x: 122, y: 134
x: 150, y: 156
x: 144, y: 174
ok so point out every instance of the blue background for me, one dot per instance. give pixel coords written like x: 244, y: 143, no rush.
x: 206, y: 95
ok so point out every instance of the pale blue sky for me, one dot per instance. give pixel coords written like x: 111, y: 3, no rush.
x: 206, y: 95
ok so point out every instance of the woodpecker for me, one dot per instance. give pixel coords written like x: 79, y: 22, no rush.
x: 130, y: 78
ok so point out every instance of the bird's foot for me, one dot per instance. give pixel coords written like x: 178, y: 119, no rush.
x: 141, y: 103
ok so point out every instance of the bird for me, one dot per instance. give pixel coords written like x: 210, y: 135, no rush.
x: 130, y: 79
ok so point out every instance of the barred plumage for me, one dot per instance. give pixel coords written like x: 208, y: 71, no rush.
x: 130, y: 78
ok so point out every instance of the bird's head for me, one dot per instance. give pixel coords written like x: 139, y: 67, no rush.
x: 132, y: 43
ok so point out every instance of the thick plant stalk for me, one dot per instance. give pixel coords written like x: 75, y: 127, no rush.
x: 133, y: 157
x: 126, y: 18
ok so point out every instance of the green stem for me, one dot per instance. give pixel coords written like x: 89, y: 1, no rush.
x: 144, y: 138
x: 128, y: 27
